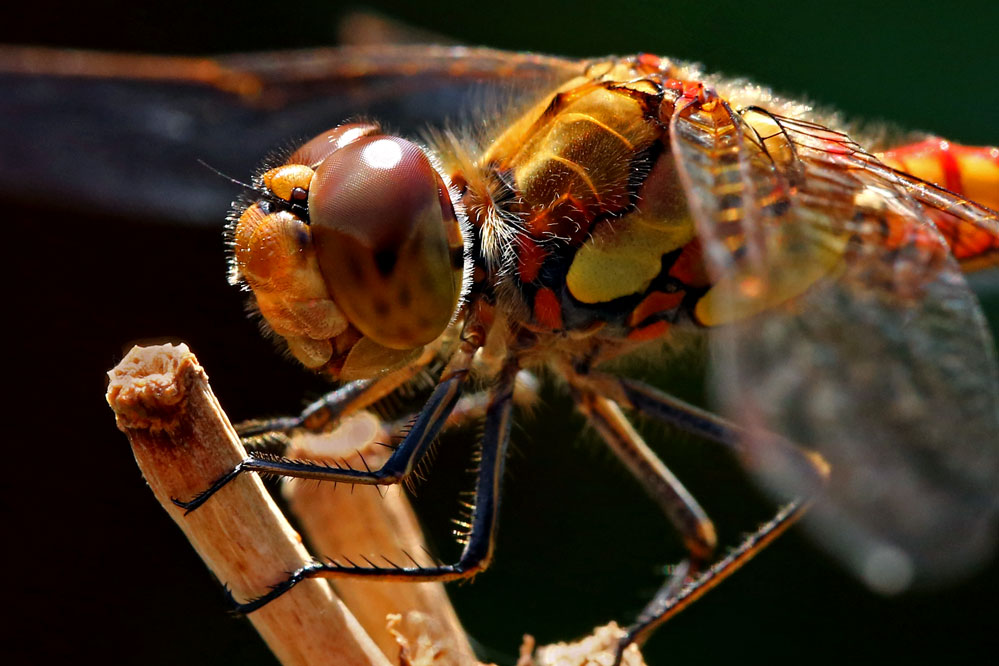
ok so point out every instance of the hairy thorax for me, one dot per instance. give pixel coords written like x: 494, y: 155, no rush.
x: 585, y: 245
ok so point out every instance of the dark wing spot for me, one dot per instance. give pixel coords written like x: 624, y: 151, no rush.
x: 385, y: 261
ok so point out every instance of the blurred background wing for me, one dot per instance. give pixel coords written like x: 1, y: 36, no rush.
x: 124, y: 134
x: 847, y: 327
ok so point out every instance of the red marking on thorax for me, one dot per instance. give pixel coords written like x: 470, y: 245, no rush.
x: 567, y: 218
x: 649, y: 62
x: 547, y: 310
x: 689, y: 267
x: 650, y: 332
x: 693, y: 89
x: 654, y: 303
x: 484, y: 312
x: 530, y: 257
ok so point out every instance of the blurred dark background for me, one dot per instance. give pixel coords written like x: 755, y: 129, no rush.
x: 96, y: 570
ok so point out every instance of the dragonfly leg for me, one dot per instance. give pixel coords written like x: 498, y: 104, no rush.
x: 663, y: 407
x: 683, y: 511
x: 689, y: 580
x: 338, y: 403
x: 681, y: 589
x: 478, y: 550
x: 472, y: 406
x: 399, y: 465
x: 808, y: 465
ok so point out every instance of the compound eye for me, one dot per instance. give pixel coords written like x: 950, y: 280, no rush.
x: 388, y: 241
x: 291, y: 181
x: 314, y: 151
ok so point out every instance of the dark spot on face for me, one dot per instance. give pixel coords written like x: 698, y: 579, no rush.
x: 354, y: 267
x: 381, y: 307
x: 457, y: 257
x: 302, y: 237
x: 405, y: 297
x: 385, y: 261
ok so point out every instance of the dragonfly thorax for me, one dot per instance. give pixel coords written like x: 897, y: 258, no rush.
x: 581, y: 224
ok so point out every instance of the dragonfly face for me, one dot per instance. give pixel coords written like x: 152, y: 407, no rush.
x: 357, y: 257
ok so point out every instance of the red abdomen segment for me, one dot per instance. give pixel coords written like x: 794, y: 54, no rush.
x: 969, y: 171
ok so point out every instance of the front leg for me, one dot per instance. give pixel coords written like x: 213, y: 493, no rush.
x: 338, y: 403
x: 429, y: 422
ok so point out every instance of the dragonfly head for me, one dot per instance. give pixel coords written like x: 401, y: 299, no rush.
x: 356, y: 252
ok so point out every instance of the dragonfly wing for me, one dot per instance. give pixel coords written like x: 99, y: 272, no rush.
x: 124, y: 134
x: 845, y: 325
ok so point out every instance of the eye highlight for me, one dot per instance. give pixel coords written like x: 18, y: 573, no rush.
x: 386, y: 232
x: 382, y: 154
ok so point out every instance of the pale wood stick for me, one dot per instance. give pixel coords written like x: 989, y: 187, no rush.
x: 182, y: 442
x: 356, y: 522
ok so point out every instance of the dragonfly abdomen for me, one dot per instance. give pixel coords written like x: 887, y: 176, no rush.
x: 968, y: 171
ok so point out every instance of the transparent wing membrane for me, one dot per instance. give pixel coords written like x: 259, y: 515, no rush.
x: 849, y: 328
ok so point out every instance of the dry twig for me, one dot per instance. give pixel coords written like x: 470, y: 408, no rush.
x: 182, y: 442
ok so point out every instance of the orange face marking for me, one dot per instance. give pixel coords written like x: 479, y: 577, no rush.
x: 273, y: 252
x: 547, y: 310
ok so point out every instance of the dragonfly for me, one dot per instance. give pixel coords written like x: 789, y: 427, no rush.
x: 617, y: 204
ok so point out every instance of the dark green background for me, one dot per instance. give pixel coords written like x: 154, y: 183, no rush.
x: 97, y: 571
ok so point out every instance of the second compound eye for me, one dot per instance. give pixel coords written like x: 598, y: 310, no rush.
x: 388, y: 240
